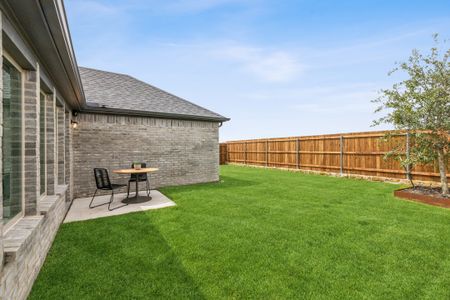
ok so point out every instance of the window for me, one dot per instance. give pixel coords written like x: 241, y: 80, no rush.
x: 42, y: 147
x: 12, y: 142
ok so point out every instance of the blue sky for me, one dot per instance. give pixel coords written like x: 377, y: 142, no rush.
x: 276, y: 68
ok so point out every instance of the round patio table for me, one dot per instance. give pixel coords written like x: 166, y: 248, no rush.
x: 136, y: 198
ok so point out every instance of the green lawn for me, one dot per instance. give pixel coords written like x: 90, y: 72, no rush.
x: 258, y: 234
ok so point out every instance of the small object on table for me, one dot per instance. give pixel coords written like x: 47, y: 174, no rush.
x: 136, y: 198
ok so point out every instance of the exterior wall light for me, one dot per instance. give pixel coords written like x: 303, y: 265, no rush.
x: 73, y: 122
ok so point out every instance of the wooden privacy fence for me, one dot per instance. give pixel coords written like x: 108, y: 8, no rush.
x: 346, y: 154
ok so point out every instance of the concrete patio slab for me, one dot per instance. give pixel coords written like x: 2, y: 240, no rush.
x: 80, y: 210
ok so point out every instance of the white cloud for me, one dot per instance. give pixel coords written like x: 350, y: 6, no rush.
x: 266, y: 64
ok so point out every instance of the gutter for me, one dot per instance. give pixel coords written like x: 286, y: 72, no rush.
x: 130, y: 112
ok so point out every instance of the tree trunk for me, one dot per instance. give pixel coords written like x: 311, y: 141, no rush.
x: 443, y: 171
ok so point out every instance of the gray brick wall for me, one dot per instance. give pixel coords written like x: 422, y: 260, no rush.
x: 60, y: 144
x: 31, y: 141
x: 185, y: 152
x: 68, y: 155
x: 51, y: 150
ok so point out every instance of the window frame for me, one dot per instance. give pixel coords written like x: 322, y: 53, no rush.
x: 15, y: 219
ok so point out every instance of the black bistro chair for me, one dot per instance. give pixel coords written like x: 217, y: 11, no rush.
x: 139, y: 178
x: 103, y: 183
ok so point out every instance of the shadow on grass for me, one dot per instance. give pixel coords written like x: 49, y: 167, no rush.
x: 224, y: 183
x: 234, y: 182
x: 113, y: 258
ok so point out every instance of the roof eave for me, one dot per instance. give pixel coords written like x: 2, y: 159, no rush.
x: 129, y: 112
x: 45, y: 24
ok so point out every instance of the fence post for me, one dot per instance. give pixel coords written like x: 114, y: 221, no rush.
x: 297, y: 153
x: 245, y: 153
x: 341, y: 156
x: 267, y: 153
x: 408, y: 166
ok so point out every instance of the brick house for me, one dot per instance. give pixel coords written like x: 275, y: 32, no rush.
x: 46, y: 162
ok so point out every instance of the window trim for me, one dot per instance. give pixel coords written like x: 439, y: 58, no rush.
x: 43, y: 193
x: 15, y: 219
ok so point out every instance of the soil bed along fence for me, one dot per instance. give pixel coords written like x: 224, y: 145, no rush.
x: 360, y: 153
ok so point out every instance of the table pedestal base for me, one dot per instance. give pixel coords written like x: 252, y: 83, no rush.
x: 138, y: 199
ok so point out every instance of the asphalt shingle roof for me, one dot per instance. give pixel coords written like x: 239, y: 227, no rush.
x: 109, y: 90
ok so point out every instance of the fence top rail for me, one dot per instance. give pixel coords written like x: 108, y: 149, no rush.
x: 283, y: 140
x: 367, y: 134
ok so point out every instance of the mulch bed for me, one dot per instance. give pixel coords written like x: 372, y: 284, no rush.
x: 427, y: 195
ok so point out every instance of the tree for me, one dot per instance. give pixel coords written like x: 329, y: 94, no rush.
x: 420, y: 105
